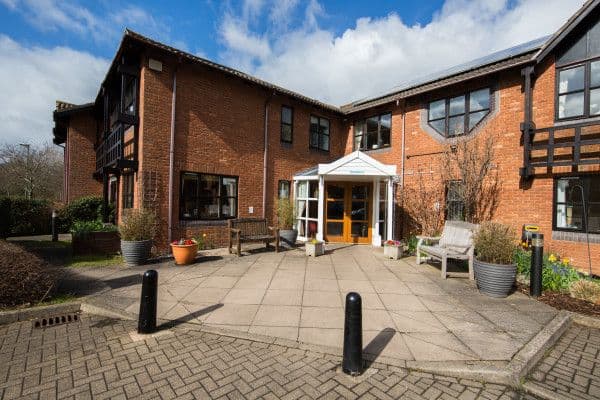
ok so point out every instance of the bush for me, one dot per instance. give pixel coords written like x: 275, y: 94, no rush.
x: 495, y: 243
x: 90, y: 208
x: 82, y: 228
x: 557, y: 274
x: 285, y: 213
x: 23, y: 217
x: 585, y: 290
x: 138, y: 225
x: 26, y: 278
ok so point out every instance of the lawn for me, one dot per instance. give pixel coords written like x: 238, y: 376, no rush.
x: 94, y: 260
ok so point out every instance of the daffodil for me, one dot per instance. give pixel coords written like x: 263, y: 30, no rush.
x: 565, y: 261
x: 552, y: 258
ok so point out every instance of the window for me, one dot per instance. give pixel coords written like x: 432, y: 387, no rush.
x: 307, y: 208
x: 127, y: 199
x: 577, y: 86
x: 319, y: 133
x: 283, y: 190
x: 373, y: 133
x: 455, y: 207
x: 287, y: 124
x: 206, y: 196
x: 568, y: 204
x: 459, y: 115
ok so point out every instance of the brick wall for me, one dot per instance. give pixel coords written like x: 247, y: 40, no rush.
x: 80, y: 158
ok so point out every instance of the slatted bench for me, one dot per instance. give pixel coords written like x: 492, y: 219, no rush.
x: 456, y: 243
x: 247, y: 230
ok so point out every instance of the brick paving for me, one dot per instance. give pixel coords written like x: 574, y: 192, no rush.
x: 101, y: 358
x: 572, y: 368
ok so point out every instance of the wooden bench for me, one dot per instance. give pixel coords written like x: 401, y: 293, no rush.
x: 247, y: 230
x: 456, y: 242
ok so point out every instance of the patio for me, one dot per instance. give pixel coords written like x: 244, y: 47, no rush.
x: 410, y: 311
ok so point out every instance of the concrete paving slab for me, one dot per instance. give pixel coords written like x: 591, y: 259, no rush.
x: 283, y: 297
x: 322, y: 299
x: 233, y: 314
x: 268, y: 315
x: 244, y: 296
x: 417, y: 321
x: 321, y: 317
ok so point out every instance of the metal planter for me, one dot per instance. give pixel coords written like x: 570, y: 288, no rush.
x: 287, y: 238
x: 136, y: 252
x: 494, y: 280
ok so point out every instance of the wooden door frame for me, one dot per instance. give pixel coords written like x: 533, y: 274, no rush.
x: 347, y: 220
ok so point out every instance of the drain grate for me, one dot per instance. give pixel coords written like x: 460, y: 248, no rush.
x: 55, y: 320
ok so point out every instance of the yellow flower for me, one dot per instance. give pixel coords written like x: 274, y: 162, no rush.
x: 552, y: 258
x: 204, y: 235
x: 565, y: 261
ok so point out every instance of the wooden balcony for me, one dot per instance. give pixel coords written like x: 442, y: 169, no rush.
x: 566, y: 148
x: 117, y: 151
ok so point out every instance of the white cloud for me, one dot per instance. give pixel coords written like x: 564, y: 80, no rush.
x: 379, y: 53
x: 33, y: 78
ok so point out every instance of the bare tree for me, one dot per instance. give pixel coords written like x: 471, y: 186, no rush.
x: 471, y: 164
x: 31, y: 171
x: 422, y: 201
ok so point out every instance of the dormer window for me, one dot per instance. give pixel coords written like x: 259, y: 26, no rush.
x: 459, y: 115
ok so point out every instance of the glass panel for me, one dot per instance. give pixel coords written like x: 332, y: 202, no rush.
x: 385, y: 129
x: 439, y: 125
x: 303, y: 189
x: 229, y: 187
x: 358, y: 142
x: 189, y: 195
x: 335, y: 210
x: 286, y: 115
x: 228, y: 208
x: 570, y: 105
x: 595, y: 73
x: 595, y: 102
x: 129, y: 96
x: 360, y: 192
x: 313, y: 189
x: 437, y: 109
x: 301, y: 226
x: 286, y: 133
x: 314, y: 132
x: 457, y: 105
x: 301, y: 207
x: 312, y: 228
x: 324, y: 142
x: 324, y: 123
x: 335, y: 192
x: 359, y: 129
x: 284, y: 189
x: 456, y: 125
x: 372, y: 127
x: 594, y: 41
x: 571, y: 80
x: 479, y: 100
x: 335, y: 228
x: 475, y: 117
x: 359, y: 211
x: 313, y: 209
x: 359, y: 229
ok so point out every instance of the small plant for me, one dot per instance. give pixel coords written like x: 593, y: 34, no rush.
x: 585, y: 290
x: 557, y: 273
x: 285, y: 213
x: 395, y: 243
x: 412, y: 245
x: 523, y: 260
x: 184, y: 242
x: 202, y: 242
x: 138, y: 225
x: 495, y: 243
x: 82, y: 228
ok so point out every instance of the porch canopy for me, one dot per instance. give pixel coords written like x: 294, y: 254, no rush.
x: 310, y: 201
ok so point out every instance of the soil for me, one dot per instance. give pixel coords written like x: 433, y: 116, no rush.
x: 563, y: 301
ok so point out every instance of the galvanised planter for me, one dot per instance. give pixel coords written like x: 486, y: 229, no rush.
x: 287, y: 238
x: 136, y: 252
x: 494, y: 280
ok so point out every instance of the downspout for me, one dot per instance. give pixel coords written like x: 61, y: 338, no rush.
x: 527, y: 126
x: 172, y: 158
x: 402, y: 168
x: 265, y: 155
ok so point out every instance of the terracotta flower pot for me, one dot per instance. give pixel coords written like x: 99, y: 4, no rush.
x: 184, y: 253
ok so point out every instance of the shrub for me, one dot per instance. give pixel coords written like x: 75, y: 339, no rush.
x: 82, y: 228
x: 495, y: 243
x: 21, y: 217
x: 557, y: 274
x: 285, y: 213
x: 138, y: 225
x: 585, y: 290
x: 90, y: 208
x: 26, y: 278
x: 523, y: 260
x: 412, y: 244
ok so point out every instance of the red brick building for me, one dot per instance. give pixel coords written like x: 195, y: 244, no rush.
x: 200, y: 143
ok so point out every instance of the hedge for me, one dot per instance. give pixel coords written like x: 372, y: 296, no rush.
x: 21, y: 217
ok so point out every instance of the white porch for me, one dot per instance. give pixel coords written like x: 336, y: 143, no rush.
x: 369, y: 218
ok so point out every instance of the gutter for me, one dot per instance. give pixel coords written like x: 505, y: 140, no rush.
x: 172, y: 158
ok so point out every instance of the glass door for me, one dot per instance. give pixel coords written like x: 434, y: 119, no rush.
x: 335, y: 212
x: 360, y: 227
x: 347, y: 212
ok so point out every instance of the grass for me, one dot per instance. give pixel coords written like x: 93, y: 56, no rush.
x: 58, y: 299
x: 94, y: 260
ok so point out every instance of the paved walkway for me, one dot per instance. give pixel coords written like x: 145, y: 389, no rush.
x: 102, y: 358
x: 572, y: 369
x: 409, y: 312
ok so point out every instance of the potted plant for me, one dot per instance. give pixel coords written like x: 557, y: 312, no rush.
x: 495, y: 269
x: 184, y: 251
x: 137, y: 230
x: 393, y: 249
x: 314, y: 247
x: 285, y: 220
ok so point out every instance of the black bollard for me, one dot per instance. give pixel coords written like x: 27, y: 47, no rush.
x: 54, y: 231
x: 352, y: 362
x: 147, y: 318
x: 537, y: 260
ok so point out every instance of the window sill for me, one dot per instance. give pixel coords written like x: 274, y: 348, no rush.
x: 383, y: 149
x: 575, y: 121
x: 579, y: 237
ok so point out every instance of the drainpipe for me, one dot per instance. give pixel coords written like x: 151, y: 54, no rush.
x: 265, y: 155
x: 172, y: 158
x: 527, y: 126
x: 402, y: 168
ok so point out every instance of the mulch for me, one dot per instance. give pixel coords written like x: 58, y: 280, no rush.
x: 563, y: 301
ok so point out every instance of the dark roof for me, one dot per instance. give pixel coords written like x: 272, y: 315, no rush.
x: 65, y: 109
x: 229, y: 71
x: 494, y: 62
x: 567, y: 28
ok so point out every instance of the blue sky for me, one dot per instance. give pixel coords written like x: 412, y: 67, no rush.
x: 336, y: 51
